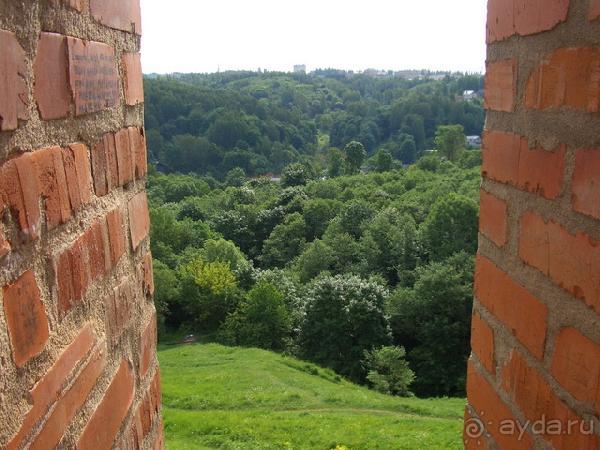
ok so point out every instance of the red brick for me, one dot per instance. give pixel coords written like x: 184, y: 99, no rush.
x: 586, y: 182
x: 99, y: 169
x: 97, y: 89
x: 146, y: 276
x: 119, y: 310
x: 576, y: 366
x: 94, y: 242
x: 70, y: 403
x: 13, y: 89
x: 488, y: 405
x: 147, y: 411
x: 523, y: 314
x: 112, y: 167
x: 53, y: 185
x: 73, y: 4
x: 25, y: 318
x: 570, y: 77
x: 571, y: 261
x: 508, y: 158
x: 492, y: 218
x: 120, y: 14
x: 125, y: 162
x: 139, y: 219
x: 138, y: 150
x: 51, y: 88
x: 20, y: 191
x: 72, y: 276
x: 594, y: 10
x: 482, y: 342
x: 501, y: 85
x: 147, y: 347
x: 72, y: 180
x: 133, y: 78
x: 101, y: 430
x: 49, y: 388
x: 535, y: 398
x: 116, y: 235
x: 509, y: 17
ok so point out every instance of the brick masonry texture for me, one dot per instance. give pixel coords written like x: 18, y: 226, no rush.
x: 535, y: 329
x: 77, y: 319
x: 509, y: 17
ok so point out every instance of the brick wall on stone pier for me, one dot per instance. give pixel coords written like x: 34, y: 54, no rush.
x: 77, y: 321
x: 536, y: 324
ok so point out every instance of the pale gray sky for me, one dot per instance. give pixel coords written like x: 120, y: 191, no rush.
x: 204, y: 35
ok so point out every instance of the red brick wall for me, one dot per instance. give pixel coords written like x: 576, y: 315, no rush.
x: 534, y: 371
x: 78, y: 363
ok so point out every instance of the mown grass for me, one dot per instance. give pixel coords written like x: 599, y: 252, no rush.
x: 233, y: 398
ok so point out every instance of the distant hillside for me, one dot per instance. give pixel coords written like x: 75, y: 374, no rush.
x: 261, y: 122
x: 222, y: 397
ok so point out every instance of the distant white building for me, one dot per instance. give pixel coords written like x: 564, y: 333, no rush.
x: 474, y: 141
x: 300, y: 68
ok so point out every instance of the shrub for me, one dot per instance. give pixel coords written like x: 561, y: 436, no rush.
x: 388, y: 370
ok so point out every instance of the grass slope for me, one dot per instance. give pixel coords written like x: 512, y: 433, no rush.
x: 233, y: 398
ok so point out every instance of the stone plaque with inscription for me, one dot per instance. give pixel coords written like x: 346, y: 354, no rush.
x: 93, y: 76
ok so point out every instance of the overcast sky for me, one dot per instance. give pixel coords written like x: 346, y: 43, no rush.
x: 207, y: 35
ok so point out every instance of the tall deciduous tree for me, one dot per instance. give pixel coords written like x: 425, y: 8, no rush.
x: 450, y: 140
x: 355, y: 157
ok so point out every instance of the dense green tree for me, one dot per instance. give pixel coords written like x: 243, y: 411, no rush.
x: 295, y: 174
x: 261, y: 320
x: 285, y: 242
x: 450, y: 227
x: 433, y: 322
x: 450, y: 140
x: 236, y: 177
x: 383, y: 161
x: 336, y: 162
x: 388, y: 370
x: 344, y: 317
x: 355, y: 156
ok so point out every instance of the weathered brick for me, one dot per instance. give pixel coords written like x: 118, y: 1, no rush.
x: 101, y: 430
x: 571, y: 261
x: 523, y: 314
x: 51, y: 69
x: 147, y: 411
x: 576, y: 366
x: 49, y: 388
x: 72, y: 400
x: 116, y: 235
x: 20, y: 192
x: 71, y: 275
x: 570, y: 77
x: 492, y: 218
x: 586, y: 182
x: 147, y: 347
x: 509, y: 17
x: 594, y: 10
x: 120, y: 14
x: 112, y: 166
x: 98, y: 260
x: 77, y: 169
x: 501, y: 85
x: 71, y: 177
x: 53, y: 185
x: 508, y: 158
x: 138, y: 150
x: 146, y: 276
x: 13, y: 89
x: 482, y: 342
x: 99, y: 169
x: 93, y: 90
x: 120, y: 306
x: 133, y: 78
x: 488, y: 404
x: 25, y: 318
x: 125, y: 164
x: 534, y: 396
x: 139, y: 219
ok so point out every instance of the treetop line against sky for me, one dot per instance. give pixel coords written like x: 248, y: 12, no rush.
x: 208, y: 35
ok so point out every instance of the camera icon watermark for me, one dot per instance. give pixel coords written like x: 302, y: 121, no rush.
x: 475, y: 428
